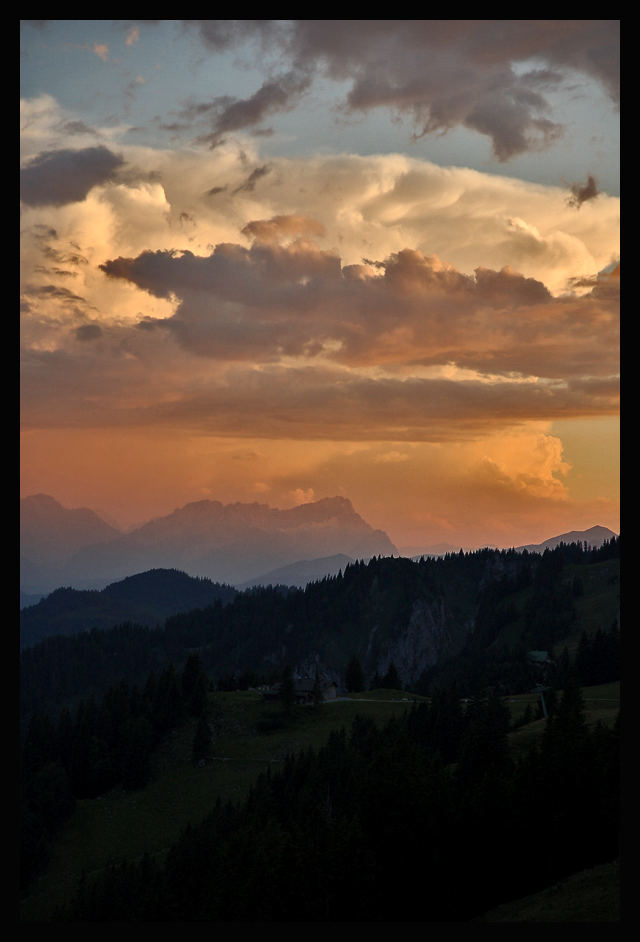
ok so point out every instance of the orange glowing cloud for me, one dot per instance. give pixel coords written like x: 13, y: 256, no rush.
x: 404, y: 335
x: 269, y: 301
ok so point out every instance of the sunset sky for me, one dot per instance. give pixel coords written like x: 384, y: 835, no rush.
x: 282, y: 260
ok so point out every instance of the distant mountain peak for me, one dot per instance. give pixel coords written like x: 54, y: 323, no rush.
x: 43, y: 500
x: 594, y: 536
x: 229, y: 543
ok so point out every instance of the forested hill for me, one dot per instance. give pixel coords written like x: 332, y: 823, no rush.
x: 147, y: 599
x: 465, y: 618
x: 434, y: 816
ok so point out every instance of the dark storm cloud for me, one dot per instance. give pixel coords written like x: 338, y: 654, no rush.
x: 234, y: 114
x: 249, y: 184
x: 88, y: 332
x: 440, y: 73
x: 272, y: 301
x: 581, y: 192
x: 55, y: 178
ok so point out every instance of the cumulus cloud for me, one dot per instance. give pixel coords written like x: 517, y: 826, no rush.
x: 262, y: 320
x: 54, y: 178
x: 369, y: 207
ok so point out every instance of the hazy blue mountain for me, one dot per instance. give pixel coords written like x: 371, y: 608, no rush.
x: 301, y: 573
x: 594, y: 536
x: 50, y: 534
x: 437, y: 549
x: 27, y: 599
x: 229, y: 543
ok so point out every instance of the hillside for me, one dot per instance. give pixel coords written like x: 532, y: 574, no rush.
x: 467, y: 618
x: 253, y: 737
x: 111, y: 731
x: 591, y: 896
x: 147, y: 598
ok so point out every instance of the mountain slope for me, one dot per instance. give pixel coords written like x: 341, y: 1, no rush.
x: 147, y: 598
x: 594, y: 536
x: 301, y: 573
x: 234, y: 543
x: 50, y: 534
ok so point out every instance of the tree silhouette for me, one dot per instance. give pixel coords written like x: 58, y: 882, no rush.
x: 287, y: 689
x: 354, y: 676
x: 202, y: 741
x: 391, y: 679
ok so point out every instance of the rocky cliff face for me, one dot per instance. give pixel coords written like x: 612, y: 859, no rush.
x: 431, y: 635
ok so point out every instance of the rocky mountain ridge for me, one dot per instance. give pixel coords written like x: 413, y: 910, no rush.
x: 229, y: 543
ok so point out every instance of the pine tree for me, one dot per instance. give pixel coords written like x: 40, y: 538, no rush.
x: 195, y: 686
x: 354, y: 676
x: 391, y: 679
x: 202, y: 741
x: 287, y: 689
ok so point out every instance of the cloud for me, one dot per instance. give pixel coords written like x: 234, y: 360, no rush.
x: 133, y: 86
x: 111, y: 386
x: 439, y: 73
x: 233, y: 114
x: 391, y: 457
x: 370, y: 207
x: 248, y: 185
x: 273, y: 301
x: 76, y: 127
x: 54, y: 178
x: 581, y: 192
x: 102, y: 51
x: 279, y: 227
x: 302, y: 496
x: 261, y: 319
x: 88, y: 332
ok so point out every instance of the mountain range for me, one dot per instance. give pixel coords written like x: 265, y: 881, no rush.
x: 240, y: 544
x: 231, y: 544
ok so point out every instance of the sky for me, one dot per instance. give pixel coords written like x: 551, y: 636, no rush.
x: 283, y: 260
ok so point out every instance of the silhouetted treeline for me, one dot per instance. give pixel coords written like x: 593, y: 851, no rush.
x: 597, y: 660
x: 98, y: 746
x: 430, y: 818
x: 147, y: 599
x: 538, y: 594
x: 363, y: 610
